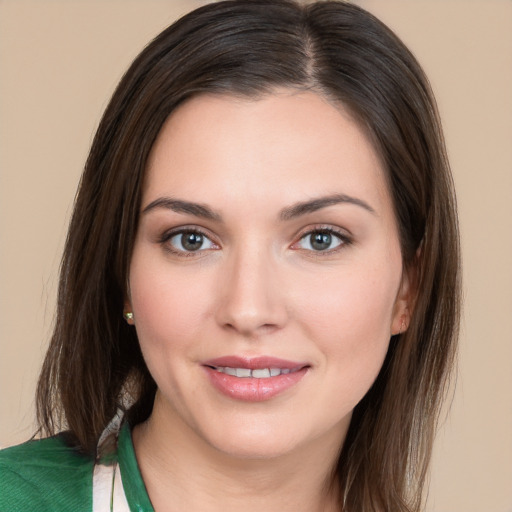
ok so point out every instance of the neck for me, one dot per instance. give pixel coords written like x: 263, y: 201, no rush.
x: 182, y: 471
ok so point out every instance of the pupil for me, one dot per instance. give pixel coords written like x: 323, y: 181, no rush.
x: 192, y: 241
x: 321, y: 241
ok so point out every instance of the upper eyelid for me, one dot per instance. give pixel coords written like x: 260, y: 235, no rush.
x: 341, y: 232
x: 169, y: 233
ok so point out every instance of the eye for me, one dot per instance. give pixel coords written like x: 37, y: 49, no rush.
x: 189, y: 241
x: 321, y: 240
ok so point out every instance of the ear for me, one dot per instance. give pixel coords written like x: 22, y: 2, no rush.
x: 404, y: 303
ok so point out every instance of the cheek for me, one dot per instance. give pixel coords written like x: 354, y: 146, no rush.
x: 169, y: 309
x: 349, y: 303
x: 169, y: 306
x: 349, y: 315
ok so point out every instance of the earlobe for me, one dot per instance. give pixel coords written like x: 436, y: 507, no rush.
x: 128, y: 314
x: 404, y: 304
x: 404, y: 320
x: 127, y: 309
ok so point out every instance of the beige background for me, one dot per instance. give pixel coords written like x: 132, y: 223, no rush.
x: 59, y: 63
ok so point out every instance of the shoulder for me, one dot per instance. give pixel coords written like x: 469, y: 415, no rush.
x: 45, y: 475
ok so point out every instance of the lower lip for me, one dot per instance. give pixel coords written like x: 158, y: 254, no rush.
x: 250, y: 389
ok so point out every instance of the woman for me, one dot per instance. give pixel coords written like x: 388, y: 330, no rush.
x: 260, y: 280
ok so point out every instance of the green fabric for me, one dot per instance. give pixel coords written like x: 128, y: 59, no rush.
x: 45, y: 476
x: 49, y: 476
x: 134, y: 488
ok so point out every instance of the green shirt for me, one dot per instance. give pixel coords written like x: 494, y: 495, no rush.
x: 48, y: 475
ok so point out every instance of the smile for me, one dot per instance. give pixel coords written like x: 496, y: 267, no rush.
x: 259, y: 373
x: 254, y: 379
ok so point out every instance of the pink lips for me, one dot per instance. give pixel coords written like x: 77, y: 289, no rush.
x: 249, y: 388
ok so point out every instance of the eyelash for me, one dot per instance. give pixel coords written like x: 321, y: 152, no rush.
x: 169, y: 235
x: 344, y: 240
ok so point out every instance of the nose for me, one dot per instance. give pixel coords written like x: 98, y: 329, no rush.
x: 251, y: 294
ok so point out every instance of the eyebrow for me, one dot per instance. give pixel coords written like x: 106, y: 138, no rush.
x: 288, y: 213
x: 179, y: 206
x: 313, y: 205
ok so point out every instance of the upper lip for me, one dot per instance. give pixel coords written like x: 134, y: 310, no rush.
x: 254, y: 363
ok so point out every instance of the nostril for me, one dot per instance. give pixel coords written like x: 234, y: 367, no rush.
x: 251, y: 331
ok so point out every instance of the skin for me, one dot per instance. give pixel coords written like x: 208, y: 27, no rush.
x: 257, y: 286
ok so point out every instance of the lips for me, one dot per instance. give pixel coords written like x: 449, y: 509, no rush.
x: 254, y: 379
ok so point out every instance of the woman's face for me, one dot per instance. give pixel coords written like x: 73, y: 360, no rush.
x: 266, y: 278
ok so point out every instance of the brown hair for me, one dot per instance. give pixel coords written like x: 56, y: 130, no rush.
x: 250, y: 47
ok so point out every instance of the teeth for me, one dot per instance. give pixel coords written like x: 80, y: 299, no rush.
x: 260, y: 373
x: 243, y: 372
x: 264, y: 373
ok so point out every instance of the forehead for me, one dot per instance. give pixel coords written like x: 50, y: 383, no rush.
x: 296, y: 143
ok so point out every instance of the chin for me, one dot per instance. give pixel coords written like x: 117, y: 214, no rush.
x: 265, y: 439
x: 260, y: 448
x: 252, y: 439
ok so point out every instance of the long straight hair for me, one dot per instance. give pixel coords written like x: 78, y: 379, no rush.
x: 249, y: 48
